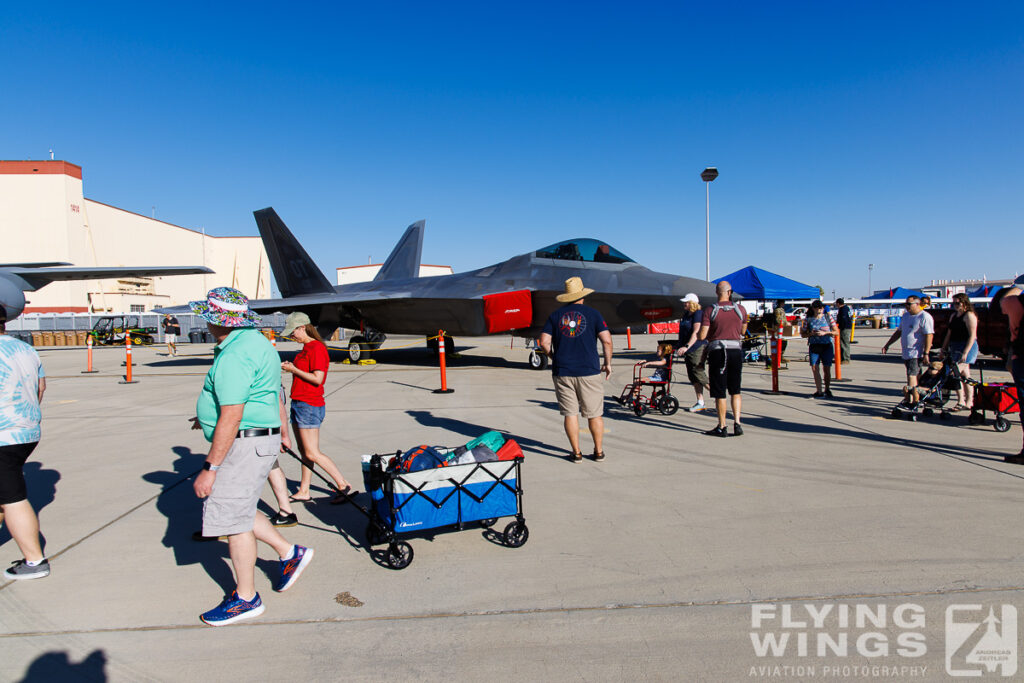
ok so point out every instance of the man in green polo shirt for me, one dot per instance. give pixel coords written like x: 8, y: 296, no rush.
x: 239, y: 414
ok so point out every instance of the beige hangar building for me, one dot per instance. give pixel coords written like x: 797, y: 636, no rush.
x: 45, y: 217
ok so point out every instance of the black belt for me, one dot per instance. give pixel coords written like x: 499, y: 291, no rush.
x: 243, y: 433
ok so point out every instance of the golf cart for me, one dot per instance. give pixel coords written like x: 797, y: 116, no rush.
x: 112, y: 329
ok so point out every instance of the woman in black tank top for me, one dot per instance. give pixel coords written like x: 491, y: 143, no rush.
x: 961, y: 345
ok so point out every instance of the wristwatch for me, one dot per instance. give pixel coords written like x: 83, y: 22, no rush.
x: 212, y: 468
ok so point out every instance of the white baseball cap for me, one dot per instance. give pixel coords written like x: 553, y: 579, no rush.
x: 690, y: 297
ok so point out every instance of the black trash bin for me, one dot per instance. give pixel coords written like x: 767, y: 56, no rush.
x: 207, y: 337
x: 195, y: 336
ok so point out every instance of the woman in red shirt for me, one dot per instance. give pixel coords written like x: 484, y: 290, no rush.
x: 309, y: 372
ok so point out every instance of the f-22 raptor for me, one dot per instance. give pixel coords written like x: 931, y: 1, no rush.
x: 515, y: 296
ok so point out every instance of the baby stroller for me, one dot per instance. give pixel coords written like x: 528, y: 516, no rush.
x: 754, y: 347
x: 660, y: 397
x: 933, y: 393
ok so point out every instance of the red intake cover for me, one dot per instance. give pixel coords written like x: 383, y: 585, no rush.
x: 508, y: 311
x: 655, y: 313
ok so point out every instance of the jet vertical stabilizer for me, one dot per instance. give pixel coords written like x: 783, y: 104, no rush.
x: 404, y: 261
x: 294, y: 270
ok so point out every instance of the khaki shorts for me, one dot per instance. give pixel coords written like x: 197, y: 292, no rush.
x: 231, y: 506
x: 580, y: 395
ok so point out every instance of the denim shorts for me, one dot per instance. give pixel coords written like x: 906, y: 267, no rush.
x: 306, y: 416
x: 821, y: 353
x: 956, y: 351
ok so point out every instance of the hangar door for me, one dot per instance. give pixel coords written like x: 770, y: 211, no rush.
x: 508, y: 311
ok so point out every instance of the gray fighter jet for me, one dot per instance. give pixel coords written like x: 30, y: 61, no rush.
x: 515, y: 296
x: 18, y: 278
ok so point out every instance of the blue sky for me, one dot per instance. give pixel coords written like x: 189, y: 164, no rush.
x: 845, y: 133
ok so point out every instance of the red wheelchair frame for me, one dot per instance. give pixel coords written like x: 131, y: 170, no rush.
x: 660, y: 397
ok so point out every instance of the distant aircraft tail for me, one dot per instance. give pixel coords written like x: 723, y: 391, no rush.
x: 404, y: 261
x: 294, y: 270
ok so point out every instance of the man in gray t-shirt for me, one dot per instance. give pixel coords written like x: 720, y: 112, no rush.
x: 916, y: 331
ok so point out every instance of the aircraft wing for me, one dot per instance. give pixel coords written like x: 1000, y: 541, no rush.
x: 37, y: 277
x: 294, y: 303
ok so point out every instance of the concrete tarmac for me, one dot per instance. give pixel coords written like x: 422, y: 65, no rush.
x: 674, y: 559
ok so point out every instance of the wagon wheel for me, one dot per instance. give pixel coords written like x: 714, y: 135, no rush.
x: 640, y: 408
x: 374, y: 534
x: 488, y: 523
x: 669, y: 405
x: 516, y: 534
x: 1001, y: 424
x: 399, y: 555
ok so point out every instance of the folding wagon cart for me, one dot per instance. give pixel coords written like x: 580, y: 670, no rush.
x: 450, y: 498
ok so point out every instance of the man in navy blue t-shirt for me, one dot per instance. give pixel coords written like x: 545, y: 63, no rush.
x: 570, y: 338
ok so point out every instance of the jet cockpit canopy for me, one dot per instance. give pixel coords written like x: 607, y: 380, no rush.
x: 583, y: 249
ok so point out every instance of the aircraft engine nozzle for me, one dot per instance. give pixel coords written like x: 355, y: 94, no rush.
x: 11, y: 296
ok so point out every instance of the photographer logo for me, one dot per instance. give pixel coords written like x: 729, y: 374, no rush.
x: 981, y: 640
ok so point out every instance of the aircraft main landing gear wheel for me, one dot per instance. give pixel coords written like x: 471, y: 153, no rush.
x: 538, y: 361
x: 358, y: 349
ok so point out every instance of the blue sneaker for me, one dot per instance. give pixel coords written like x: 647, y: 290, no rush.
x: 291, y: 569
x: 233, y: 609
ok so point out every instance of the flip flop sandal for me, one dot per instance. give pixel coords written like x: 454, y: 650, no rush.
x: 343, y: 496
x: 293, y: 499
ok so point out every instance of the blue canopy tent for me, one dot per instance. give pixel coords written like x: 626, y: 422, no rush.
x: 754, y: 283
x: 896, y: 293
x: 985, y: 290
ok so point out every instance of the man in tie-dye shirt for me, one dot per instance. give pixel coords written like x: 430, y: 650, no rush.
x: 22, y: 383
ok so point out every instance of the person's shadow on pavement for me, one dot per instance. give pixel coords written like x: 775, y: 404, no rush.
x: 57, y: 666
x: 472, y: 431
x: 42, y: 489
x: 178, y: 503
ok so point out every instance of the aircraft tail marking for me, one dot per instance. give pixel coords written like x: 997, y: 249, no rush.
x: 294, y: 270
x: 404, y: 261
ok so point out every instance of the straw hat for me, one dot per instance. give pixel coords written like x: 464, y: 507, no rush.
x: 574, y: 291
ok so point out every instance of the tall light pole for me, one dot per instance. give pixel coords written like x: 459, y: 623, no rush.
x: 871, y: 266
x: 707, y: 175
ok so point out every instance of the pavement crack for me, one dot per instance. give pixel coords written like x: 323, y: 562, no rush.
x: 530, y: 611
